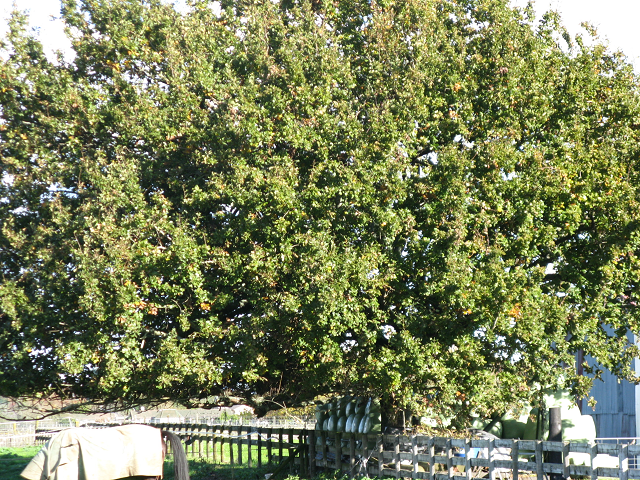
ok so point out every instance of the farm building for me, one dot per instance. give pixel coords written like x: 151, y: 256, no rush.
x: 617, y: 411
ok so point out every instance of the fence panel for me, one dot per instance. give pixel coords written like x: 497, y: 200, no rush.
x: 398, y: 456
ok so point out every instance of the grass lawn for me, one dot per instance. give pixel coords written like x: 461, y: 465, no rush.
x: 13, y: 460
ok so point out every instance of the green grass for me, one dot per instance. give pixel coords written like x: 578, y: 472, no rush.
x: 13, y: 461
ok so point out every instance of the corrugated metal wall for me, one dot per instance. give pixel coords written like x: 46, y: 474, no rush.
x: 615, y: 412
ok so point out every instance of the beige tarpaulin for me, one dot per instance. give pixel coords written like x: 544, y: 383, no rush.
x: 99, y: 454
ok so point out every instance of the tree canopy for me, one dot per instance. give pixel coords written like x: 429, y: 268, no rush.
x: 434, y: 202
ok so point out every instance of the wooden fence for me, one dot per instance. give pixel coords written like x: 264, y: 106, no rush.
x: 402, y: 456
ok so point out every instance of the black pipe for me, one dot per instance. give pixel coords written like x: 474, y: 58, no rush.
x: 555, y: 435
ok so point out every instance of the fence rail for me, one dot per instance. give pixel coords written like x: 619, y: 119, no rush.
x: 398, y: 456
x: 404, y: 456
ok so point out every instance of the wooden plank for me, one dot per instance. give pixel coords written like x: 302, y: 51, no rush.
x: 539, y: 461
x: 231, y: 442
x: 184, y: 433
x: 592, y: 455
x: 431, y: 458
x: 290, y: 448
x: 260, y: 430
x: 406, y: 458
x: 580, y: 447
x: 414, y: 454
x: 323, y: 449
x: 607, y: 472
x: 366, y: 454
x: 338, y: 438
x: 304, y: 452
x: 396, y: 455
x: 270, y: 447
x: 515, y: 470
x: 528, y: 445
x: 206, y: 439
x: 467, y: 460
x: 380, y: 455
x: 210, y: 450
x: 609, y: 448
x: 623, y: 462
x: 250, y: 447
x: 554, y: 468
x: 449, y: 453
x: 352, y: 455
x: 312, y: 453
x: 491, y: 448
x: 224, y: 440
x: 214, y: 447
x: 565, y: 458
x: 553, y: 446
x: 458, y: 443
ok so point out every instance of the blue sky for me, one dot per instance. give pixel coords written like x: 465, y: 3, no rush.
x: 616, y: 20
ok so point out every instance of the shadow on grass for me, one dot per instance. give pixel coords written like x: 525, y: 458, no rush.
x: 13, y: 461
x: 203, y: 470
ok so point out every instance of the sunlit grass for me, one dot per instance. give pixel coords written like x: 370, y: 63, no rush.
x: 13, y: 461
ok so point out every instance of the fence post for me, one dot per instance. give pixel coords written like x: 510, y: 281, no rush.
x: 414, y: 453
x: 323, y: 448
x: 207, y: 443
x: 539, y: 461
x: 304, y: 452
x: 214, y: 445
x: 352, y: 454
x: 259, y: 447
x: 449, y: 447
x: 338, y: 438
x: 467, y: 459
x: 365, y: 454
x: 312, y: 453
x: 593, y: 453
x: 623, y: 461
x: 431, y: 458
x: 290, y: 450
x: 380, y: 455
x: 492, y: 447
x: 555, y: 435
x: 231, y: 442
x: 515, y: 447
x: 223, y: 440
x: 249, y: 446
x: 396, y: 455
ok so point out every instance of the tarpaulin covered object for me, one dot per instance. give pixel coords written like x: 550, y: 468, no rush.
x: 99, y: 454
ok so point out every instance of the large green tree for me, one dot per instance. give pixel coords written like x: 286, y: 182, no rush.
x: 430, y: 201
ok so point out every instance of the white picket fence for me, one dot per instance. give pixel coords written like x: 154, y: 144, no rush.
x: 35, y: 433
x: 27, y: 434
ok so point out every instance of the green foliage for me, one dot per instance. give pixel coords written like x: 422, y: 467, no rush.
x: 433, y: 202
